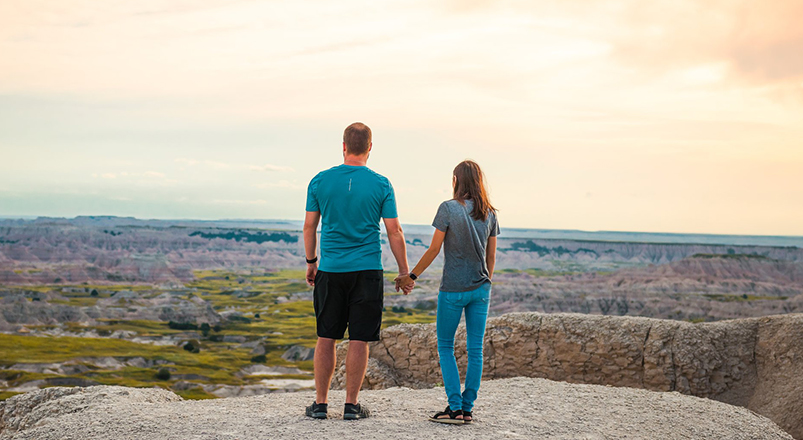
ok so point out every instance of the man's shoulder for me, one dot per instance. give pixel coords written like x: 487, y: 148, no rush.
x: 378, y: 176
x: 323, y: 173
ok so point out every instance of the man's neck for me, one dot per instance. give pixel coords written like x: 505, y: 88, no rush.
x: 356, y: 161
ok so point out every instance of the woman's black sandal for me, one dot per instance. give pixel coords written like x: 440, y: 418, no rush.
x: 452, y: 419
x: 470, y: 418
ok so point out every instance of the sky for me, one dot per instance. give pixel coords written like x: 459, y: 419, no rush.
x: 622, y: 115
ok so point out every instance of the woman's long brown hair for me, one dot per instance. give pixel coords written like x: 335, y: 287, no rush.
x: 470, y: 185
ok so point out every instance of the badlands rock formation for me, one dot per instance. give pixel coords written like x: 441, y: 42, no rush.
x: 113, y: 250
x: 509, y: 408
x: 753, y: 363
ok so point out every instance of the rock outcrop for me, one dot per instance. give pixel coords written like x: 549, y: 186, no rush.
x: 508, y: 408
x: 754, y: 363
x: 26, y: 411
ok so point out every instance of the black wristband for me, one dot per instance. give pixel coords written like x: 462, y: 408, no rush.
x: 412, y: 276
x: 313, y: 261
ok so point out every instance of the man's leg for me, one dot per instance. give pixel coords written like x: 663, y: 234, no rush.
x: 325, y: 358
x: 356, y: 364
x: 365, y: 321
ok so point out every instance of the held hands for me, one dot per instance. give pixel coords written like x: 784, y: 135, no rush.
x: 405, y: 283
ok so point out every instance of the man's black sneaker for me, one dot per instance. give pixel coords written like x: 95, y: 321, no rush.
x: 355, y: 412
x: 317, y: 410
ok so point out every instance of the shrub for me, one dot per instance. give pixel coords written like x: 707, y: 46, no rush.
x: 217, y: 328
x: 163, y: 374
x: 259, y: 359
x: 193, y: 346
x: 94, y: 292
x: 182, y: 325
x: 238, y: 318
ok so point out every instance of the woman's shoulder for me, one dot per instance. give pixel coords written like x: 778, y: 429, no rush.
x: 450, y: 205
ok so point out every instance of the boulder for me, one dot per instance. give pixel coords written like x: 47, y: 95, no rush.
x: 298, y: 353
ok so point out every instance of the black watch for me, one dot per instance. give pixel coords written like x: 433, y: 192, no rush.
x: 412, y: 276
x: 313, y: 261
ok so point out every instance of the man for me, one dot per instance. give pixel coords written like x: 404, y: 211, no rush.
x: 349, y: 284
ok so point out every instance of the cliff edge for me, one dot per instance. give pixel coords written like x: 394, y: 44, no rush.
x: 754, y: 363
x: 507, y: 408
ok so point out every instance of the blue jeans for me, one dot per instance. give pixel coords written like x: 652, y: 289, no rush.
x: 450, y: 308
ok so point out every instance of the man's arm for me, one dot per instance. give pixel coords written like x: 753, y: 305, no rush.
x: 490, y: 256
x: 311, y: 243
x: 397, y: 244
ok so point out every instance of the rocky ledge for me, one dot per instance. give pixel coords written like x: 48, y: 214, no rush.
x: 507, y: 408
x: 755, y: 363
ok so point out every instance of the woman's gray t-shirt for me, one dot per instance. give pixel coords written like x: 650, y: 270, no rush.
x: 464, y: 247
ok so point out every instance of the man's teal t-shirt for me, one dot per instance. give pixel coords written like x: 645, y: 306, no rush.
x: 351, y: 200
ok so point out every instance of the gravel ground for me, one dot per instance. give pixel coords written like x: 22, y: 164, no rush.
x: 507, y: 408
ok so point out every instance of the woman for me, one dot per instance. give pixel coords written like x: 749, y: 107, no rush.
x: 467, y: 227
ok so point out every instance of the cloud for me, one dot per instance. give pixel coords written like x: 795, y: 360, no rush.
x: 105, y: 175
x: 218, y: 165
x: 185, y: 161
x: 147, y: 178
x: 225, y: 165
x: 759, y: 42
x: 239, y: 202
x: 209, y: 163
x: 286, y: 184
x: 269, y: 167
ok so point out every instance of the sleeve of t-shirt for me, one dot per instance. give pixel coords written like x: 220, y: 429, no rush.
x: 441, y: 221
x: 312, y: 198
x: 495, y: 226
x: 389, y: 204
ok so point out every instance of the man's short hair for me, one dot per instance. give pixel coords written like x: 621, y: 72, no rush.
x: 357, y: 138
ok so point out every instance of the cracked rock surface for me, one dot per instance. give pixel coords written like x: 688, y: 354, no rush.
x: 507, y: 408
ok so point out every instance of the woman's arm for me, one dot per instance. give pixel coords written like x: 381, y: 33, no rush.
x: 490, y: 256
x: 431, y: 253
x: 426, y: 259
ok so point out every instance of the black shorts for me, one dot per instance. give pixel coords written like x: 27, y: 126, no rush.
x: 349, y: 299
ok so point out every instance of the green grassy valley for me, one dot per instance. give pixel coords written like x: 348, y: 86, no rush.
x: 263, y: 314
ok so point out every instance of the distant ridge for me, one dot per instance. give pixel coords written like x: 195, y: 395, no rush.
x: 541, y: 234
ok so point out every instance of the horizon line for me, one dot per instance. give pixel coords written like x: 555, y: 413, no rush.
x: 37, y: 217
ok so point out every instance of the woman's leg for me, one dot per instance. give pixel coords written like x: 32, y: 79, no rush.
x: 476, y: 316
x: 446, y: 325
